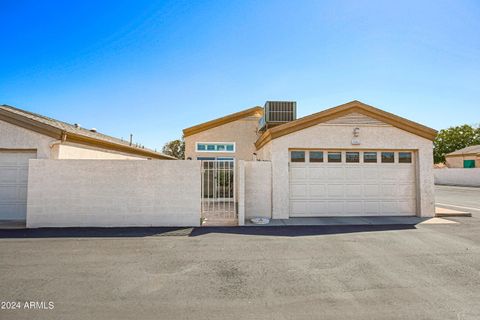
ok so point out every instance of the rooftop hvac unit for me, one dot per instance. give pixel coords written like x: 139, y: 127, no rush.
x: 277, y: 112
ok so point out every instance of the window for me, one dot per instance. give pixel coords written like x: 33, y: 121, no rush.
x: 353, y: 157
x: 388, y: 157
x: 405, y: 157
x: 370, y: 157
x: 334, y: 157
x: 298, y: 156
x: 215, y: 147
x: 469, y: 164
x: 316, y: 156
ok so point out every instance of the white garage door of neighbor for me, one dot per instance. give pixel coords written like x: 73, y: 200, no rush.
x: 13, y: 184
x: 352, y: 184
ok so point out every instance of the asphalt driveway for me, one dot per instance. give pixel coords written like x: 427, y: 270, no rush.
x: 316, y: 272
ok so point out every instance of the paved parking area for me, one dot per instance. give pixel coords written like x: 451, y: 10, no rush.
x: 426, y: 271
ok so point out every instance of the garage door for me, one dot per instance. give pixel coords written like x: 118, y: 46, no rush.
x: 352, y: 183
x: 13, y: 184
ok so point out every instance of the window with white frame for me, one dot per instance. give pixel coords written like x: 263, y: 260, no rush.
x: 215, y: 146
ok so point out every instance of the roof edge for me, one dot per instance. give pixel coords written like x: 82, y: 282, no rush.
x: 222, y: 120
x: 57, y: 133
x: 335, y: 112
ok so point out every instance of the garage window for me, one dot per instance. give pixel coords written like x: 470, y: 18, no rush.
x: 405, y: 157
x: 388, y: 157
x: 370, y: 157
x: 334, y: 157
x: 316, y: 156
x: 353, y: 157
x: 298, y: 156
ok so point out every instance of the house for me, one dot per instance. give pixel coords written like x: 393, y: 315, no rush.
x: 468, y: 157
x: 25, y: 135
x: 350, y: 160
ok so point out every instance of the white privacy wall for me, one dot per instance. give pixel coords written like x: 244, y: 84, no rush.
x: 113, y: 193
x: 457, y: 177
x: 258, y: 189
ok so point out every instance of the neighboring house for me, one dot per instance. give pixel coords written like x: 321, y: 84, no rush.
x: 350, y: 160
x: 25, y: 135
x: 468, y: 157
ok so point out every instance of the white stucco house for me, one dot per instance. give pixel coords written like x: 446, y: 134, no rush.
x: 350, y: 160
x: 25, y: 135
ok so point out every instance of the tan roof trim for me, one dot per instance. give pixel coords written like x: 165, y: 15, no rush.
x: 57, y: 133
x: 462, y: 155
x: 80, y: 139
x: 223, y: 120
x: 335, y: 112
x: 29, y: 124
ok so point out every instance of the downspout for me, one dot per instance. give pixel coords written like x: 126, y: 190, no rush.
x: 58, y: 142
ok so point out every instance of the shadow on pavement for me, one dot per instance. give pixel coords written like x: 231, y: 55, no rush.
x: 281, y: 231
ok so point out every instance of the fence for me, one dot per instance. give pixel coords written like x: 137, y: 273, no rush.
x: 457, y: 177
x: 113, y: 193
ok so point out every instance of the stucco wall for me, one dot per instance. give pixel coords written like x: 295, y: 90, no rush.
x: 108, y: 193
x: 457, y: 177
x: 339, y: 137
x: 258, y: 189
x: 75, y: 151
x: 457, y: 161
x: 15, y: 137
x: 243, y: 132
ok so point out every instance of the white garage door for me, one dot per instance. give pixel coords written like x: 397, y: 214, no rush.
x: 352, y: 183
x: 13, y: 184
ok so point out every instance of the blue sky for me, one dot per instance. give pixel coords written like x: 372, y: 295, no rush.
x: 152, y: 68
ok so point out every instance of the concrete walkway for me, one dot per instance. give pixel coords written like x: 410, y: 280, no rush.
x: 353, y: 221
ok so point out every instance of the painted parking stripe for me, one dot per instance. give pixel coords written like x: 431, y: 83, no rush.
x: 460, y: 207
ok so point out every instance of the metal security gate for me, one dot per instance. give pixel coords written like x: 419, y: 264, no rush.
x: 218, y: 192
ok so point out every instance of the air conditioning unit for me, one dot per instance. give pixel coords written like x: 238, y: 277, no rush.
x: 276, y: 113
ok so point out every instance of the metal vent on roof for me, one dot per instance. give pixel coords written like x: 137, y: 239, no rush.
x: 278, y: 112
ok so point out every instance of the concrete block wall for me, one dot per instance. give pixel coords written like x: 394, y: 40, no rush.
x: 258, y: 189
x: 457, y: 177
x: 113, y: 193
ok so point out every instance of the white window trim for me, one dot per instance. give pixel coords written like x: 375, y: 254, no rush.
x: 215, y: 151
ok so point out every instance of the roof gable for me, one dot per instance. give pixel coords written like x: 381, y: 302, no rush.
x: 353, y: 107
x: 472, y: 150
x: 223, y: 120
x: 65, y: 131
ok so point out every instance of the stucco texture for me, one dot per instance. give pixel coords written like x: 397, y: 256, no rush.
x: 457, y: 161
x: 14, y: 137
x: 458, y: 177
x: 339, y: 137
x: 113, y: 193
x: 243, y: 132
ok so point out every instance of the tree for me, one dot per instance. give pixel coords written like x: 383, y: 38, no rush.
x: 454, y: 138
x: 175, y: 148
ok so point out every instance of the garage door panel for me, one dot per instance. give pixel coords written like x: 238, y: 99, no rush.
x: 371, y: 191
x: 353, y: 173
x: 335, y: 191
x: 298, y: 208
x: 407, y: 207
x: 298, y: 190
x: 370, y: 172
x: 371, y: 207
x: 13, y: 184
x: 318, y: 207
x: 316, y: 172
x: 389, y: 190
x: 317, y: 190
x: 335, y: 173
x: 352, y: 189
x: 298, y: 173
x: 353, y: 207
x: 335, y: 207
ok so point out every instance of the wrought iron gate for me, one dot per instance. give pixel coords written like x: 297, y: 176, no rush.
x: 218, y: 191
